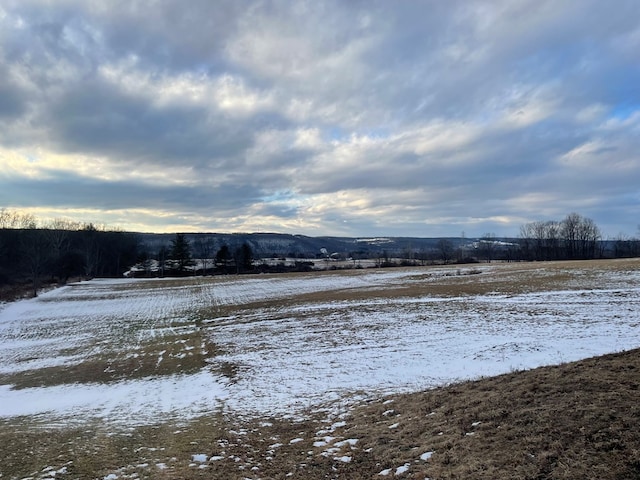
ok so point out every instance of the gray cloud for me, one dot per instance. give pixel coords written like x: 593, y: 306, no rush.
x: 95, y: 116
x: 325, y: 117
x: 71, y: 191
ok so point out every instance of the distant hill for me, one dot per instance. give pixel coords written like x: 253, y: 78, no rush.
x: 266, y: 245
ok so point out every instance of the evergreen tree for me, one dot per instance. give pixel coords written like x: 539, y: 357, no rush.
x: 222, y: 258
x: 181, y: 252
x: 244, y: 258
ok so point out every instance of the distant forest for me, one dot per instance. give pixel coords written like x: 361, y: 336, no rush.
x: 32, y: 253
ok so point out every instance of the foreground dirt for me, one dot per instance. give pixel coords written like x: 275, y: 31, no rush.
x: 577, y: 420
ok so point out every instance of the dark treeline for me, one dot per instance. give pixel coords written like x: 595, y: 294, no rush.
x: 61, y: 250
x: 574, y: 238
x: 182, y: 258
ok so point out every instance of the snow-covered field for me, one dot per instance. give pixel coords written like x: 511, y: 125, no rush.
x: 303, y: 341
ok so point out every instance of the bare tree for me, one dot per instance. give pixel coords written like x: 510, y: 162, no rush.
x: 575, y: 237
x: 588, y: 238
x: 35, y: 253
x: 58, y: 235
x: 5, y: 218
x: 13, y: 219
x: 526, y: 241
x: 488, y: 245
x: 91, y: 250
x: 205, y: 245
x: 445, y: 248
x: 580, y: 236
x: 569, y: 229
x: 547, y: 239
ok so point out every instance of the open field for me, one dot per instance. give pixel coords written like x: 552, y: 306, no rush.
x: 315, y: 375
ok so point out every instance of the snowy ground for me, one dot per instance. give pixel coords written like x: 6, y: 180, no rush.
x: 291, y: 352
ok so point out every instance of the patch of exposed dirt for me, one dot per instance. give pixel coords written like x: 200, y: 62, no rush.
x: 166, y: 355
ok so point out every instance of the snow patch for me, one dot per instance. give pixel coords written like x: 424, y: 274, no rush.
x: 426, y: 456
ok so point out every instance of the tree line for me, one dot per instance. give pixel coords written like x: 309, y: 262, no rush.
x: 56, y: 251
x: 573, y: 238
x: 33, y: 252
x: 183, y: 258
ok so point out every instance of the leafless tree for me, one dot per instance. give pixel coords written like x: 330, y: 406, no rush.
x: 13, y: 219
x: 573, y: 238
x: 205, y: 246
x: 580, y: 236
x: 546, y: 239
x: 58, y: 236
x: 91, y: 250
x: 35, y: 255
x: 487, y: 246
x: 445, y: 248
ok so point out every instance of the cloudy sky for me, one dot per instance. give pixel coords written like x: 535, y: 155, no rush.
x: 356, y: 118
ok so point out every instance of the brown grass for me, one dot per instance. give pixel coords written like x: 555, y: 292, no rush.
x: 167, y: 355
x: 572, y: 421
x: 577, y: 420
x: 453, y: 280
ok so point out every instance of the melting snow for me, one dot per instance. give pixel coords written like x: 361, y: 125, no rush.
x: 308, y: 355
x: 426, y: 456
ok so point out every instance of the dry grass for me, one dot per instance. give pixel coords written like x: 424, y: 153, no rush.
x: 577, y: 420
x: 184, y: 353
x: 510, y: 279
x: 572, y: 421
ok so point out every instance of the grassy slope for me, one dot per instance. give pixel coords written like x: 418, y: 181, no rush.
x: 578, y: 420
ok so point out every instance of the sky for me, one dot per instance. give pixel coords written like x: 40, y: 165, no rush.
x: 350, y: 118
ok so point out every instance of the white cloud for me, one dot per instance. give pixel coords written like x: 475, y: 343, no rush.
x: 308, y: 138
